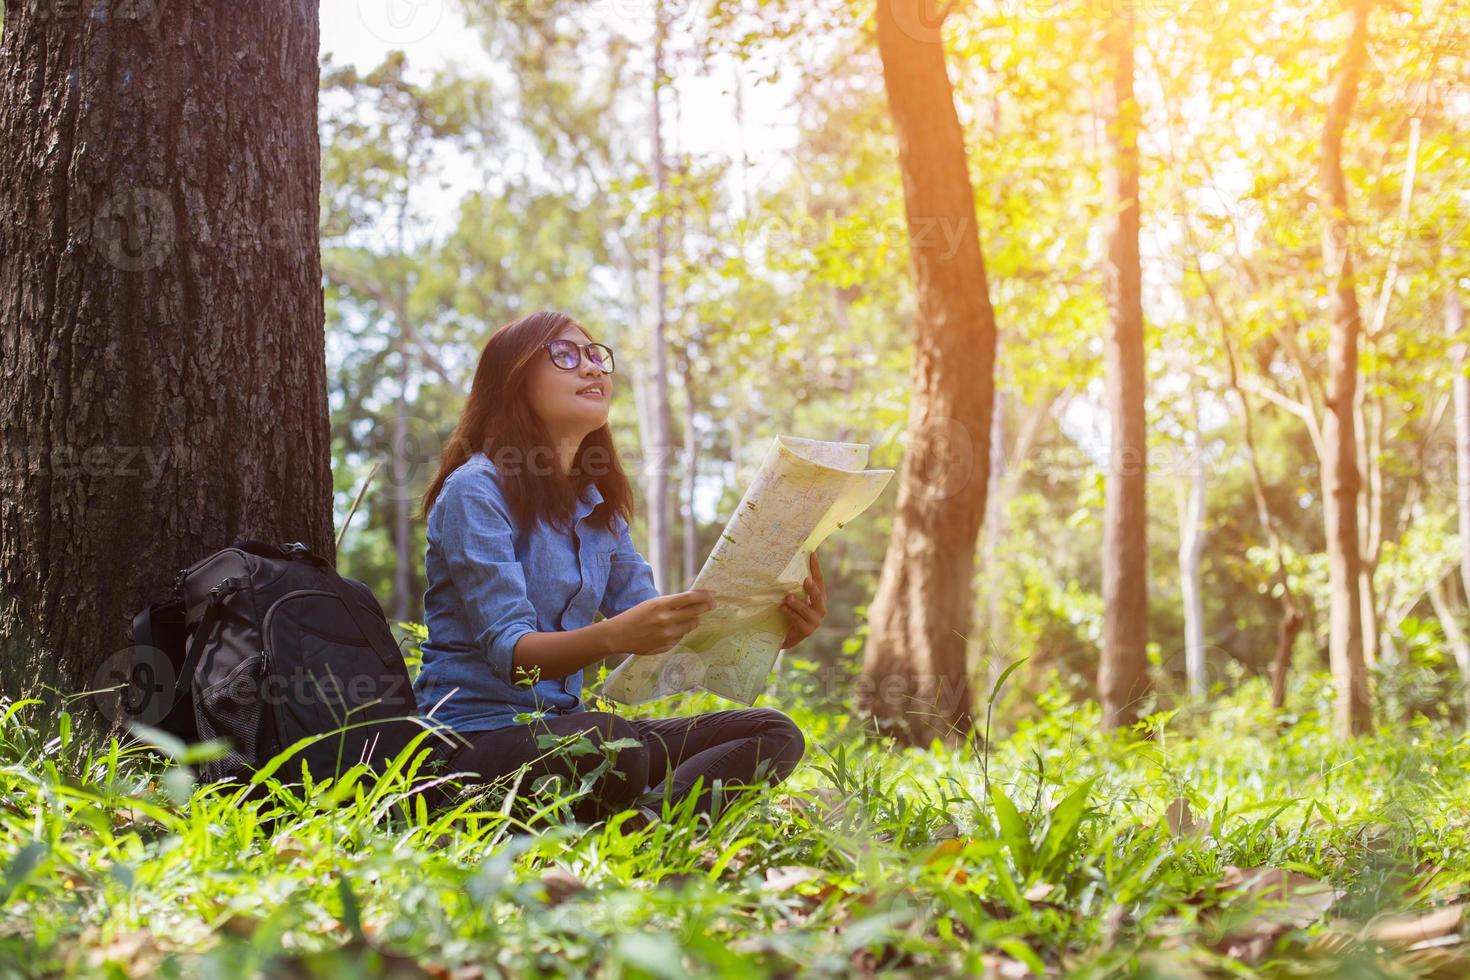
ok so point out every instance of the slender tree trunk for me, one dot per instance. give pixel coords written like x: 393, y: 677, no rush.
x: 691, y: 478
x: 1455, y: 326
x: 1287, y: 630
x: 656, y: 456
x: 402, y: 503
x: 1191, y: 547
x: 1340, y: 478
x: 994, y: 645
x: 1123, y: 672
x: 403, y: 337
x: 915, y: 681
x: 1367, y: 428
x: 1377, y: 640
x: 162, y: 377
x: 1007, y: 459
x: 1292, y: 618
x: 1454, y: 322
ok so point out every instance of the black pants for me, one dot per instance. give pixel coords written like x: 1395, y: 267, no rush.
x: 740, y: 747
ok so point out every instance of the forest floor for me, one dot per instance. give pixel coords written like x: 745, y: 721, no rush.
x: 1209, y: 843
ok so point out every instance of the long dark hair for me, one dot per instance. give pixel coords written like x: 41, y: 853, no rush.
x: 497, y: 419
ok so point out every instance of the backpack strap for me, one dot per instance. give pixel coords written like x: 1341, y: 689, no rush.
x: 146, y: 635
x: 143, y: 625
x: 206, y: 626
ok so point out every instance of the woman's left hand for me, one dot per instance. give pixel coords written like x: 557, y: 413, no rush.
x: 804, y: 615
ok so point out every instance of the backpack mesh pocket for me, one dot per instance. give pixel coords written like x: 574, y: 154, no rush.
x: 234, y: 709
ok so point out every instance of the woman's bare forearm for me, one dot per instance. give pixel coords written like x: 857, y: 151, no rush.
x: 561, y: 652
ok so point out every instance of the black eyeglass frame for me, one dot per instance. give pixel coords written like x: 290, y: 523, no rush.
x: 583, y: 350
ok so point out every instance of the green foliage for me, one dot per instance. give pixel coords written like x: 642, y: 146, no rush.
x: 1216, y: 845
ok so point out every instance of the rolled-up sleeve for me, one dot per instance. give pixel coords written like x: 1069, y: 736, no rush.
x: 477, y: 539
x: 630, y: 580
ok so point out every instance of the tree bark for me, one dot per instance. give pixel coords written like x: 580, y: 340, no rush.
x: 162, y: 375
x: 915, y: 682
x: 1340, y: 477
x: 1122, y: 677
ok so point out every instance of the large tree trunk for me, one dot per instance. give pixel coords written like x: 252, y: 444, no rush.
x: 1340, y: 478
x: 1122, y: 677
x: 162, y: 377
x: 915, y: 681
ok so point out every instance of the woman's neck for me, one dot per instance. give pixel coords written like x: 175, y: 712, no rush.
x: 565, y: 451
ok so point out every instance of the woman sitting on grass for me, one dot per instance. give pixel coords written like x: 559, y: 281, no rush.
x: 527, y: 539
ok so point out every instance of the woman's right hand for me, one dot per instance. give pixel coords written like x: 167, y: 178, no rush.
x: 657, y: 625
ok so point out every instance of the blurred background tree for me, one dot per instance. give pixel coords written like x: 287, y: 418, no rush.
x: 455, y: 198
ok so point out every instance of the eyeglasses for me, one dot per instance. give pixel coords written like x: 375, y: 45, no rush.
x: 567, y: 354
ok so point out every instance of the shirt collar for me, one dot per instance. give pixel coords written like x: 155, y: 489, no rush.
x: 591, y: 497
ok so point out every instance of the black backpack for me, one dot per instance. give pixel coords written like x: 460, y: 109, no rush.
x: 264, y: 645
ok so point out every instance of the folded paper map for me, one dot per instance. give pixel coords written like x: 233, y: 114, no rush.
x: 804, y: 490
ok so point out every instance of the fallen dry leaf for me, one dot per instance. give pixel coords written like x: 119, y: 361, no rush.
x: 1289, y: 900
x: 944, y: 854
x: 1005, y: 968
x: 788, y: 876
x: 134, y: 953
x: 289, y: 849
x: 791, y: 876
x: 1039, y: 891
x: 240, y: 926
x: 821, y: 804
x: 1434, y: 964
x: 1408, y: 929
x: 560, y: 885
x: 1181, y: 821
x: 1299, y: 899
x: 1439, y: 942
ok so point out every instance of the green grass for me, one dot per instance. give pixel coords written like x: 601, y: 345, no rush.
x: 1211, y: 844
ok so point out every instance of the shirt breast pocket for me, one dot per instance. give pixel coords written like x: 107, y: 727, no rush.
x: 598, y: 566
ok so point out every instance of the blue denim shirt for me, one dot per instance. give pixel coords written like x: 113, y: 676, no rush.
x: 490, y: 582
